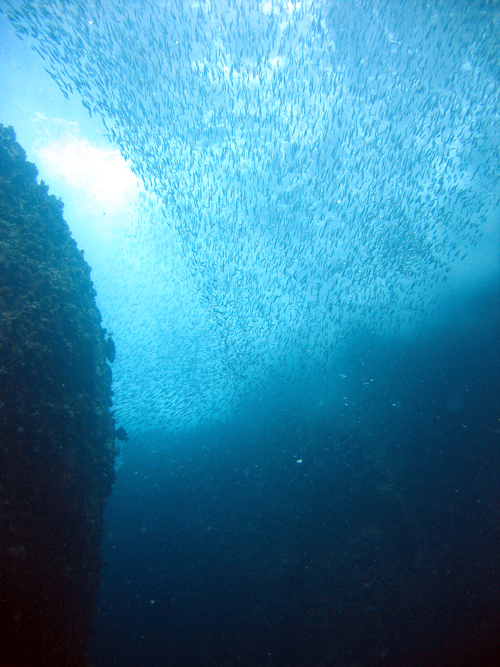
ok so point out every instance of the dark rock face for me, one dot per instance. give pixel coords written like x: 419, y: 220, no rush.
x: 56, y: 431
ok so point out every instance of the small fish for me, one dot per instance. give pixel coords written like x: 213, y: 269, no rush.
x: 109, y: 348
x: 121, y: 434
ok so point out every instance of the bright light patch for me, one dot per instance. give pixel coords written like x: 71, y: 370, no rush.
x: 99, y: 190
x: 102, y: 174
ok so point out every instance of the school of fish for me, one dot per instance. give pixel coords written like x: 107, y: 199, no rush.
x: 323, y: 165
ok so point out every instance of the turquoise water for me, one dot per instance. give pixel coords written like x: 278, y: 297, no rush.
x: 291, y: 214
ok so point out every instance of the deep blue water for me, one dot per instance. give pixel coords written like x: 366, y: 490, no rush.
x: 380, y: 548
x: 302, y: 284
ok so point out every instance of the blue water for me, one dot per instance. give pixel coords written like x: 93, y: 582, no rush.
x: 368, y: 537
x: 291, y: 211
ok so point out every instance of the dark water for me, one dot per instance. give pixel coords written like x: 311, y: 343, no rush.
x: 306, y: 311
x: 363, y: 537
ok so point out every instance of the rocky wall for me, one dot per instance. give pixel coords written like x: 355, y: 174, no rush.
x: 56, y: 430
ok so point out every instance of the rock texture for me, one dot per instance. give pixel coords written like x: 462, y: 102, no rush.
x: 56, y: 430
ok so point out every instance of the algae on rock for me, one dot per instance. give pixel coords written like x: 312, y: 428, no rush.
x: 56, y: 430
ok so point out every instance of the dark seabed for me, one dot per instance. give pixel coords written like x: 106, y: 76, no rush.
x: 368, y: 537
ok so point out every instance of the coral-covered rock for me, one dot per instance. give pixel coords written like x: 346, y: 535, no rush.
x: 56, y: 432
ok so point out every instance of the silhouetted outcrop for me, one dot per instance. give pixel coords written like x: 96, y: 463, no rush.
x: 56, y: 432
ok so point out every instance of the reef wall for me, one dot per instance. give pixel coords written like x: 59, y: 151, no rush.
x: 56, y: 430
